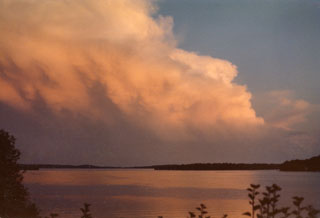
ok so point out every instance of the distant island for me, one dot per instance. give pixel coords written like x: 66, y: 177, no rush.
x: 219, y: 166
x: 64, y: 166
x: 311, y: 164
x: 195, y: 166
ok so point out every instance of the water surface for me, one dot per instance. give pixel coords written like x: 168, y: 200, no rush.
x: 149, y: 193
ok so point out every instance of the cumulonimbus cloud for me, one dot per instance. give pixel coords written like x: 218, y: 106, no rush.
x: 118, y: 65
x: 57, y: 50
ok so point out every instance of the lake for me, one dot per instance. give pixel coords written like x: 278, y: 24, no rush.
x: 150, y: 193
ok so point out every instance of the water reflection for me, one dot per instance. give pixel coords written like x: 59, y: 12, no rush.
x: 148, y: 193
x: 160, y: 179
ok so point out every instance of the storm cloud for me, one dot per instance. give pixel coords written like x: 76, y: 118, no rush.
x: 105, y: 82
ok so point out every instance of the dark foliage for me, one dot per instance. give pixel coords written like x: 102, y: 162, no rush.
x: 311, y: 164
x: 252, y: 196
x: 14, y: 200
x: 86, y: 211
x: 218, y: 166
x: 268, y: 205
x: 202, y: 210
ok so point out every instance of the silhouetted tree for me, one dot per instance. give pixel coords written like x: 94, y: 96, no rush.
x: 14, y: 199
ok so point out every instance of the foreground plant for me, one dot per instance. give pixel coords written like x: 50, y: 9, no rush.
x: 202, y: 212
x: 252, y: 196
x: 262, y: 206
x: 268, y: 205
x: 86, y: 211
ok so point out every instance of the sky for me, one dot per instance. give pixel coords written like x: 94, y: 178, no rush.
x: 125, y: 83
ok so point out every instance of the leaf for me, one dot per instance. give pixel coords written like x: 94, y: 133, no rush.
x: 255, y: 186
x: 192, y: 214
x: 247, y: 214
